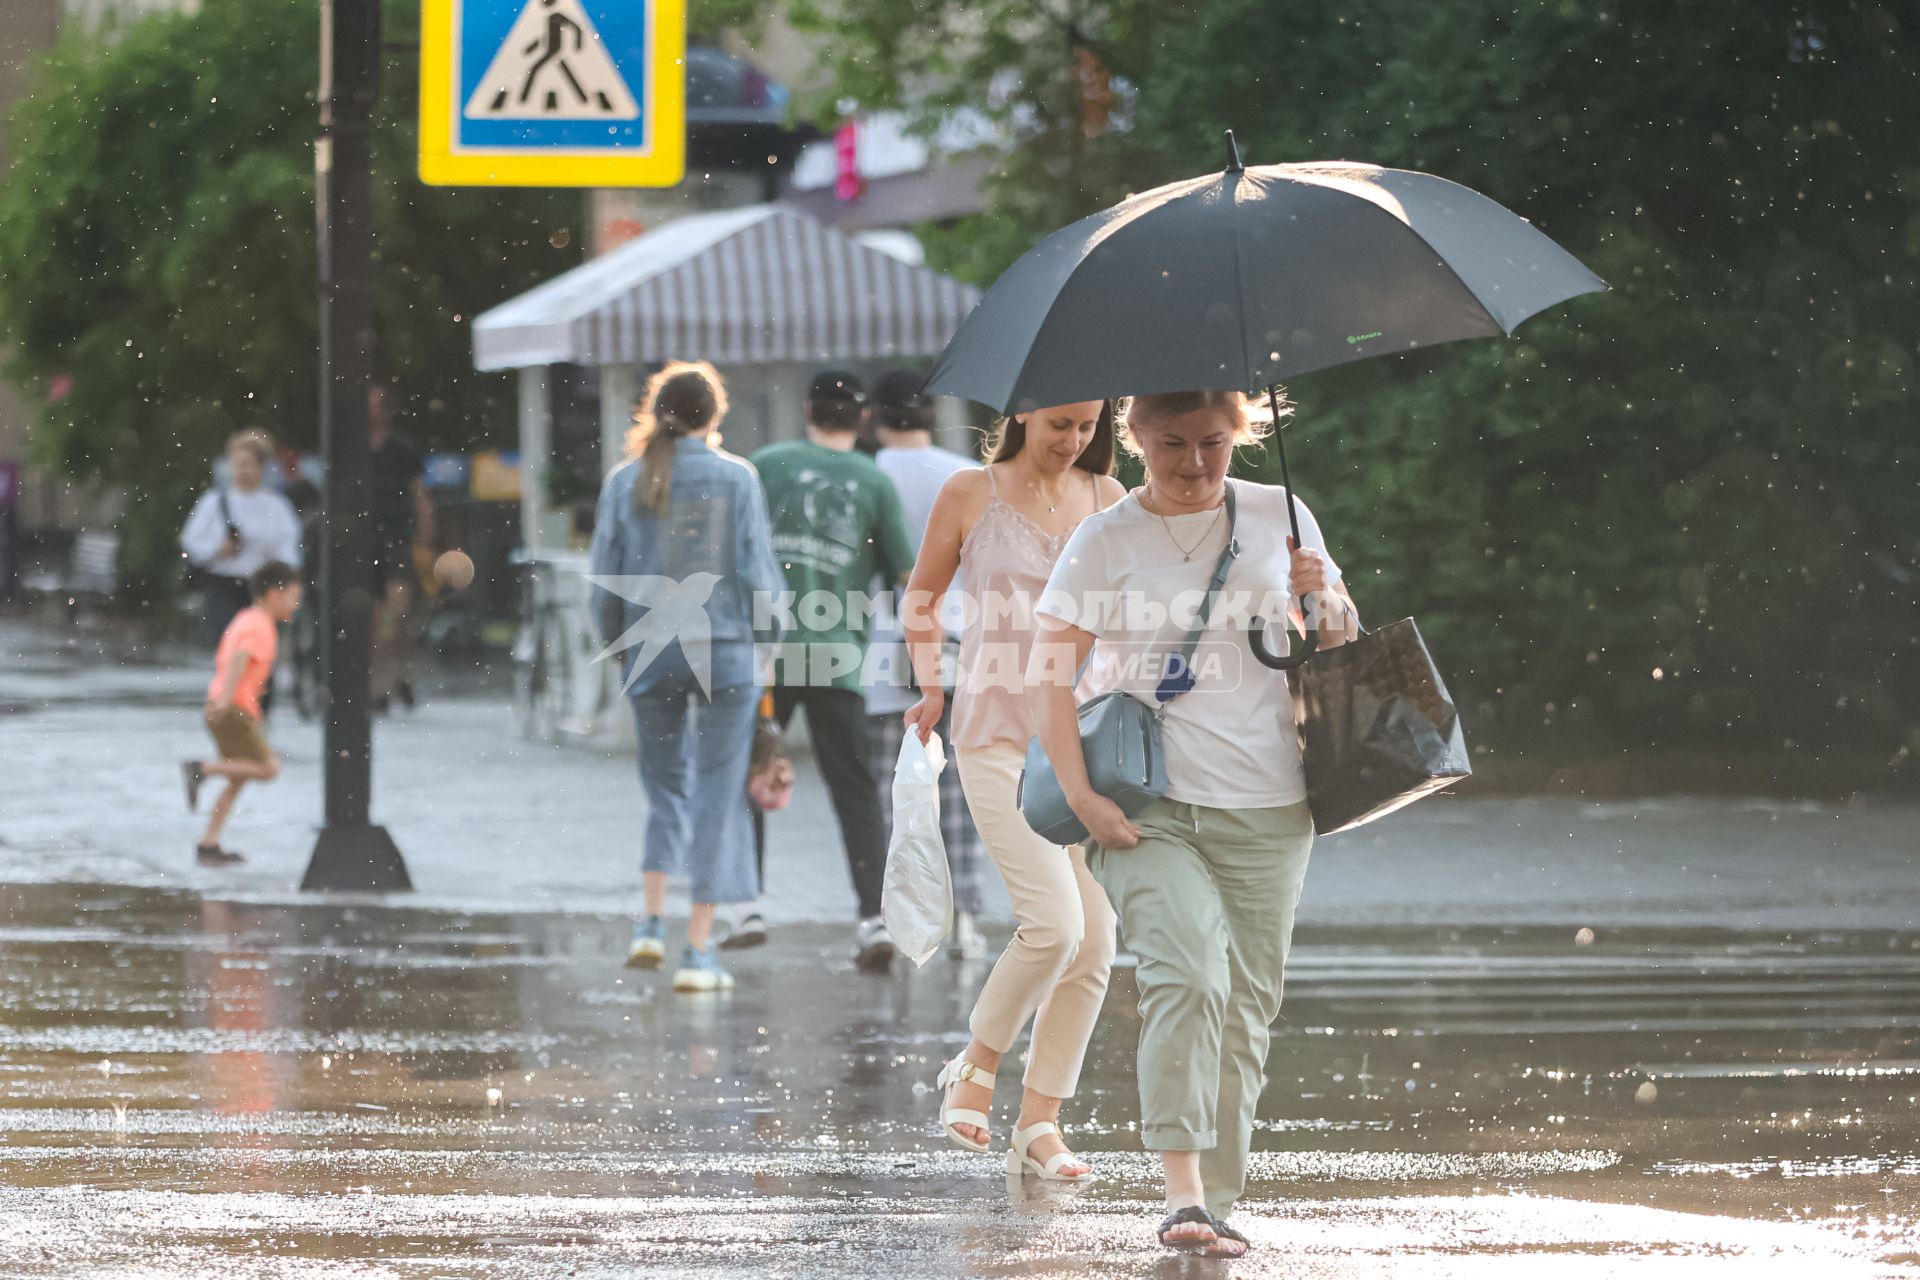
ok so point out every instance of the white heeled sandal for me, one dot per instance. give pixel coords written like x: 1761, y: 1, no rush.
x: 1018, y: 1161
x: 960, y: 1071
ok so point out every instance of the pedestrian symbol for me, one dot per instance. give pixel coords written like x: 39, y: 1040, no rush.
x: 553, y: 93
x: 553, y: 66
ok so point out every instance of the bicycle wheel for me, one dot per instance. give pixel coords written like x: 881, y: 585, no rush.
x: 531, y: 674
x: 593, y: 688
x: 556, y: 690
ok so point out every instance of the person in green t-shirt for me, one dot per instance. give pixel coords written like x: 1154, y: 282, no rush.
x: 836, y: 524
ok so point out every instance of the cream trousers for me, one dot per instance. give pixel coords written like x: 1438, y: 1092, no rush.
x: 1054, y: 972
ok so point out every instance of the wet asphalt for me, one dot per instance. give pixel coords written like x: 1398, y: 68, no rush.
x: 198, y: 1087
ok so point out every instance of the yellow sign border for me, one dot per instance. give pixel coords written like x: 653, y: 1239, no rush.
x: 663, y: 165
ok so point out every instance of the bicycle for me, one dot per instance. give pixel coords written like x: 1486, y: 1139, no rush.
x: 558, y: 690
x: 542, y: 677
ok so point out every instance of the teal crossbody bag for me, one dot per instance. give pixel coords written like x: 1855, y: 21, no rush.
x: 1119, y: 736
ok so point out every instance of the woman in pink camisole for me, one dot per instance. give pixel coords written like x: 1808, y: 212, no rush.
x: 1000, y: 529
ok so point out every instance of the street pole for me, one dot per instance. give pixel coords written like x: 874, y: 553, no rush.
x: 351, y: 853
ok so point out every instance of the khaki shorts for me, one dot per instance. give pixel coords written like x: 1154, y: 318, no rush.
x: 238, y: 735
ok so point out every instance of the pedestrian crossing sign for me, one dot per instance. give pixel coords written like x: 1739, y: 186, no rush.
x: 553, y: 93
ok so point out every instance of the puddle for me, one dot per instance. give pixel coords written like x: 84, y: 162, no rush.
x: 191, y: 1086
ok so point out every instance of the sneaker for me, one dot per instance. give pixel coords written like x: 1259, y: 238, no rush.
x: 212, y: 855
x: 648, y: 950
x: 873, y: 946
x: 750, y: 932
x: 193, y: 775
x: 701, y: 971
x: 968, y: 943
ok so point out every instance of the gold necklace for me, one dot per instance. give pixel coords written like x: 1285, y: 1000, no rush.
x: 1186, y: 553
x: 1043, y: 497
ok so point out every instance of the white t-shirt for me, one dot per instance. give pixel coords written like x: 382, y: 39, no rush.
x: 918, y: 474
x: 1230, y: 741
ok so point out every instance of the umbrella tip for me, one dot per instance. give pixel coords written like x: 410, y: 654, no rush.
x: 1233, y: 148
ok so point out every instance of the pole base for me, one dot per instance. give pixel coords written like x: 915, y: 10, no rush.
x: 357, y: 856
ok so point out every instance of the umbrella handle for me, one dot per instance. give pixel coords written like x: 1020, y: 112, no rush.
x: 1257, y: 641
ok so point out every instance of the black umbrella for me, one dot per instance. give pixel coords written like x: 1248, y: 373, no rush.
x: 1240, y: 280
x: 1243, y: 279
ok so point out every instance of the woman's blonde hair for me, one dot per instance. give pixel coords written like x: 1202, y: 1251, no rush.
x: 686, y: 396
x: 1253, y: 420
x: 254, y: 441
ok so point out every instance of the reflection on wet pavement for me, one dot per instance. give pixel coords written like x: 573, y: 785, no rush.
x: 196, y: 1087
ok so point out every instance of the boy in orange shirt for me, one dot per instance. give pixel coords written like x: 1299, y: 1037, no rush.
x: 242, y: 666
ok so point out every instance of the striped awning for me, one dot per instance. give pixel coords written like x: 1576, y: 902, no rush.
x: 743, y: 286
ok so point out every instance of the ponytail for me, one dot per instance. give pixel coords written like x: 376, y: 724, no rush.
x: 684, y: 398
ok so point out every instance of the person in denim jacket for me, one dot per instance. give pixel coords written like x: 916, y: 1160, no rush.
x: 682, y: 550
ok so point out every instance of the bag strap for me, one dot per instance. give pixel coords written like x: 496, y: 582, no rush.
x: 226, y: 518
x: 1179, y: 677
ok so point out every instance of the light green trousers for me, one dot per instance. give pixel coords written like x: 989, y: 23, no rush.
x: 1206, y: 902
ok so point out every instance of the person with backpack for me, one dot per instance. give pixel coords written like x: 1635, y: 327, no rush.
x: 234, y: 530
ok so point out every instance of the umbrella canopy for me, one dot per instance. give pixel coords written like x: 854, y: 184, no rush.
x: 1242, y: 279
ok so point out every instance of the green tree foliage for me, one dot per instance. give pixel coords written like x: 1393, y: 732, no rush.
x: 1682, y: 512
x: 157, y: 254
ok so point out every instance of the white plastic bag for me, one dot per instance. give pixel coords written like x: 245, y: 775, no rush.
x: 917, y: 900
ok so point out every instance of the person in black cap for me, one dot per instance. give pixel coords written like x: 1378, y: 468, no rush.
x: 918, y: 468
x: 836, y: 526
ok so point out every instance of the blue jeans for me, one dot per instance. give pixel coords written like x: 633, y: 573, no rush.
x: 693, y: 768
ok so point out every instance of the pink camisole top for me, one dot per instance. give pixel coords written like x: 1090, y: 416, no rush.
x: 1005, y: 562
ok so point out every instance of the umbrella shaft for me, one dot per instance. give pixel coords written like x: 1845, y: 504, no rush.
x: 1280, y: 444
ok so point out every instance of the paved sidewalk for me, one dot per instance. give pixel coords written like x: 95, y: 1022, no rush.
x: 92, y: 793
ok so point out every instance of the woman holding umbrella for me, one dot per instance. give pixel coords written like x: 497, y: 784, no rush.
x: 1206, y: 879
x: 1229, y: 282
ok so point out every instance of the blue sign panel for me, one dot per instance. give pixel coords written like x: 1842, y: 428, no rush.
x: 553, y: 92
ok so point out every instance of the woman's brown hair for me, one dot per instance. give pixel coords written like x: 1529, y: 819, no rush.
x: 1009, y: 436
x: 686, y: 396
